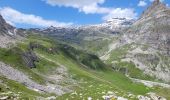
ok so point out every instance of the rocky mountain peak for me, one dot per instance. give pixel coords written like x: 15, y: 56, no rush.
x: 2, y: 21
x: 156, y: 10
x: 153, y: 27
x: 5, y: 28
x: 156, y: 7
x: 156, y: 2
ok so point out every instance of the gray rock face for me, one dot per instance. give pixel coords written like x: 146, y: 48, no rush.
x: 5, y: 28
x: 30, y: 58
x: 6, y: 41
x: 152, y: 30
x: 8, y: 34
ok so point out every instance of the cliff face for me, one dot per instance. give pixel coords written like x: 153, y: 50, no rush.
x: 155, y: 9
x: 153, y: 28
x: 9, y: 34
x: 5, y: 28
x: 150, y: 38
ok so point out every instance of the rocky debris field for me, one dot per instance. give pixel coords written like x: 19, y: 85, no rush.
x: 6, y: 41
x: 16, y: 75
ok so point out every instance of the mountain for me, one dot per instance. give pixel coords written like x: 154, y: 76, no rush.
x: 89, y: 37
x: 62, y: 72
x: 59, y: 63
x: 114, y: 24
x: 5, y: 28
x: 117, y: 23
x: 76, y: 34
x: 40, y: 68
x: 153, y: 27
x: 147, y: 43
x: 7, y: 33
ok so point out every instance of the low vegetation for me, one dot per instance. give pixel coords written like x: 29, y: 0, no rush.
x: 94, y: 78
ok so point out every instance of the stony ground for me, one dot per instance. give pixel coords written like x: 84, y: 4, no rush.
x: 16, y: 75
x: 5, y: 41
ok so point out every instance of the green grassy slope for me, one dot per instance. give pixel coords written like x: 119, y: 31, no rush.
x: 90, y: 80
x: 12, y: 89
x: 94, y: 78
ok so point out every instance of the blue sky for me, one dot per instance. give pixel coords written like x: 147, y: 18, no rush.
x: 44, y: 13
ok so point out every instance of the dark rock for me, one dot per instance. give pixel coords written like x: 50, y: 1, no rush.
x: 30, y: 58
x: 5, y: 28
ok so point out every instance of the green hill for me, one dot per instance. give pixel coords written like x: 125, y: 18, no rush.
x: 82, y: 75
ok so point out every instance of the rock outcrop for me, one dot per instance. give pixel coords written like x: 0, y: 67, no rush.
x: 30, y: 58
x: 5, y: 28
x: 153, y: 28
x: 8, y: 34
x: 14, y: 74
x: 152, y: 32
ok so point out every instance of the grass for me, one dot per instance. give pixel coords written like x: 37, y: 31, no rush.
x: 17, y: 89
x: 98, y: 46
x: 45, y: 67
x: 123, y: 82
x: 89, y: 60
x: 119, y: 53
x: 164, y: 92
x: 103, y: 80
x: 133, y: 72
x: 13, y: 58
x: 94, y: 78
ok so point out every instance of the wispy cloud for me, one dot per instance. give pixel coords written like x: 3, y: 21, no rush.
x: 13, y: 17
x: 142, y: 3
x: 94, y: 7
x: 121, y: 13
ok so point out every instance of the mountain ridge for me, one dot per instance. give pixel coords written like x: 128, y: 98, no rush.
x: 5, y: 28
x: 149, y: 42
x: 136, y: 54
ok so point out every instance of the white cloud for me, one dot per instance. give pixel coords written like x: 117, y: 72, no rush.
x: 74, y: 3
x: 13, y: 17
x: 93, y: 7
x: 142, y: 3
x: 121, y: 13
x: 111, y: 12
x: 86, y: 6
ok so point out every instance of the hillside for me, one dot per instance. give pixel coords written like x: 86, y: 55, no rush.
x: 146, y: 43
x: 120, y: 59
x: 92, y: 38
x: 58, y: 69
